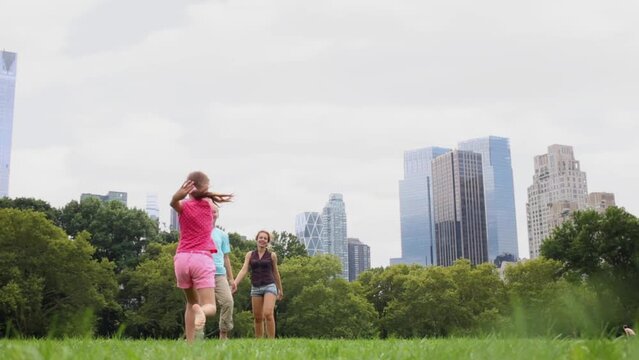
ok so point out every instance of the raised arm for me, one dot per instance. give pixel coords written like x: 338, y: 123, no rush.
x: 276, y: 275
x: 182, y: 192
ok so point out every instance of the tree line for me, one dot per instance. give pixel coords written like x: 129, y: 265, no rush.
x: 101, y: 269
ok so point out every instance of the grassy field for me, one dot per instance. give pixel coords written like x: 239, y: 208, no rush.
x: 285, y: 349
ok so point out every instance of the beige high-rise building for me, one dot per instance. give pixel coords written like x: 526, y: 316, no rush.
x: 559, y: 188
x: 560, y: 211
x: 600, y: 201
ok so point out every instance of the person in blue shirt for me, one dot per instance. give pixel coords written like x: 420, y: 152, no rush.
x: 225, y: 285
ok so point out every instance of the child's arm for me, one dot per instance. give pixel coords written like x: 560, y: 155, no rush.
x: 182, y: 192
x: 276, y: 275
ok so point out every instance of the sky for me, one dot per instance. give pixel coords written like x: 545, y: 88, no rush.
x: 284, y: 102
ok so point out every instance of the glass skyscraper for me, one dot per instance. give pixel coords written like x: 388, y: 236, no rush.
x: 333, y: 234
x: 416, y: 207
x: 8, y: 66
x: 308, y: 229
x: 499, y: 194
x: 152, y: 206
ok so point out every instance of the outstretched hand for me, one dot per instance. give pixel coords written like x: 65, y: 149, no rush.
x: 185, y: 189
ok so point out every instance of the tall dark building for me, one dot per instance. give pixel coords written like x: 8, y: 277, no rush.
x: 359, y: 258
x: 459, y: 208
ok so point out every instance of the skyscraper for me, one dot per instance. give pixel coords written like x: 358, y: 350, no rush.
x: 459, y: 211
x: 308, y: 229
x: 333, y: 232
x: 359, y: 258
x: 175, y: 222
x: 559, y: 188
x: 499, y: 194
x: 416, y: 207
x: 600, y: 201
x: 152, y: 206
x: 8, y: 67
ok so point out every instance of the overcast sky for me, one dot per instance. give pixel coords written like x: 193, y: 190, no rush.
x: 285, y: 102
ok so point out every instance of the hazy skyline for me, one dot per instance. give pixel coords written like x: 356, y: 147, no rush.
x: 286, y: 102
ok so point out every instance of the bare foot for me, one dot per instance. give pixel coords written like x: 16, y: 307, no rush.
x: 200, y: 321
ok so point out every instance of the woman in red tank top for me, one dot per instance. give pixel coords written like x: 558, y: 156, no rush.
x: 193, y: 261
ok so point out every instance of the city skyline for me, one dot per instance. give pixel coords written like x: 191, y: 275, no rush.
x: 283, y: 104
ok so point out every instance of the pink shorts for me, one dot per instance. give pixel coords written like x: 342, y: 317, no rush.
x: 194, y: 270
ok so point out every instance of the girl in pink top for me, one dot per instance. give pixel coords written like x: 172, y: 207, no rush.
x: 193, y: 262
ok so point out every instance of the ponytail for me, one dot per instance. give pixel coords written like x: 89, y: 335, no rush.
x: 215, y: 197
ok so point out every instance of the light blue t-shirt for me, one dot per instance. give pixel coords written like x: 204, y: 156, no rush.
x: 223, y: 246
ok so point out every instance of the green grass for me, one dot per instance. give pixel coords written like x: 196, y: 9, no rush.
x: 284, y: 349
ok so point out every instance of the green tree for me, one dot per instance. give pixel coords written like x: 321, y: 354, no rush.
x: 286, y: 246
x: 48, y: 283
x: 298, y: 273
x: 427, y: 305
x: 543, y: 302
x: 118, y: 233
x: 42, y: 206
x: 154, y: 307
x: 381, y: 286
x: 604, y: 249
x: 331, y: 310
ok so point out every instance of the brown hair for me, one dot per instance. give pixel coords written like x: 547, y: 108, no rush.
x: 268, y: 235
x: 200, y: 180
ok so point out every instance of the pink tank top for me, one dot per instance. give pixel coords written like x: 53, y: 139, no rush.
x: 196, y: 225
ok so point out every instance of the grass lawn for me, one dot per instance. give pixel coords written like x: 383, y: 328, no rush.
x: 284, y: 349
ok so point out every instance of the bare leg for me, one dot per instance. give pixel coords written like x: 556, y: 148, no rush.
x: 205, y: 308
x: 258, y: 317
x: 268, y: 308
x: 189, y: 314
x: 200, y: 303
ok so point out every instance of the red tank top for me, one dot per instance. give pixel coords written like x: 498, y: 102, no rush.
x: 196, y: 224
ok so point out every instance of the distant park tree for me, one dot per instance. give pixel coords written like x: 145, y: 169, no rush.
x: 153, y: 305
x: 286, y: 246
x: 334, y: 309
x: 42, y: 206
x: 49, y: 284
x: 118, y: 233
x: 604, y: 250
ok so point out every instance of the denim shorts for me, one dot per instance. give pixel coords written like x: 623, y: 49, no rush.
x: 261, y: 290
